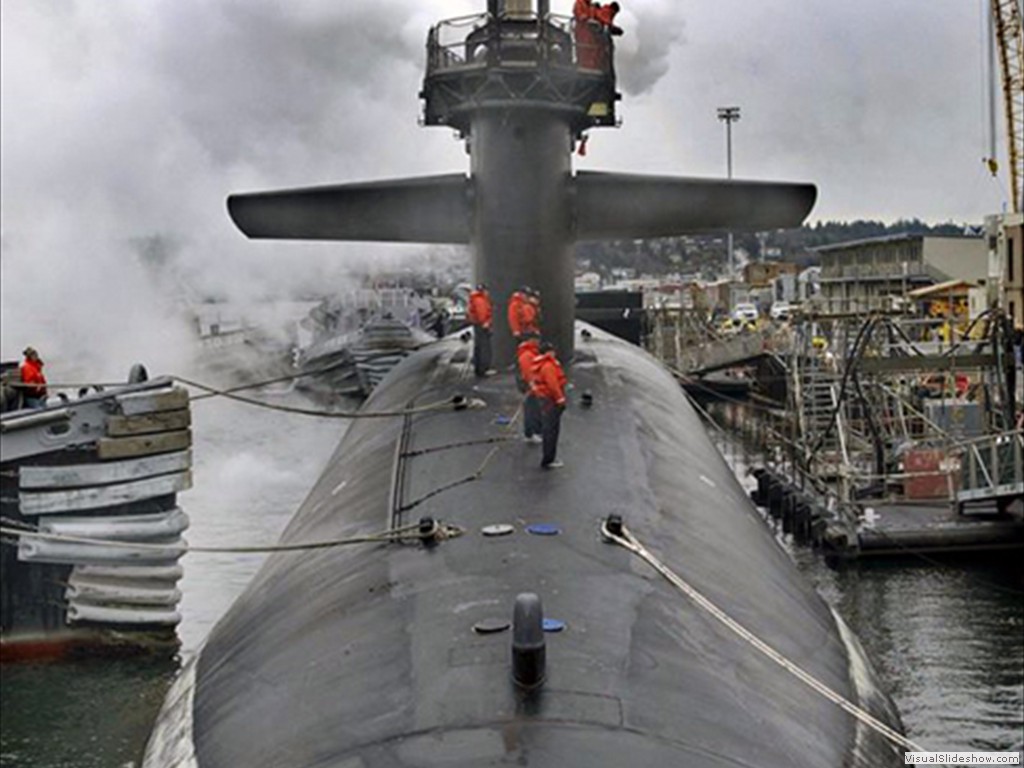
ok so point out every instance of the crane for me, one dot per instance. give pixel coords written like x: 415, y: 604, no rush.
x: 1009, y: 36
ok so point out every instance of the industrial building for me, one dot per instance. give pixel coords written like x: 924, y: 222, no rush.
x: 876, y: 273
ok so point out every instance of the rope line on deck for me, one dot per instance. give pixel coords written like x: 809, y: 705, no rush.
x: 438, y: 532
x: 460, y: 444
x: 454, y: 403
x: 478, y: 473
x: 629, y: 542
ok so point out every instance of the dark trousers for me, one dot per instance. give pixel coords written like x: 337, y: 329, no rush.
x: 551, y: 419
x: 481, y: 350
x: 532, y: 424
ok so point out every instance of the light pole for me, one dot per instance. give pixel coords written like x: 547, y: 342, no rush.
x: 729, y: 115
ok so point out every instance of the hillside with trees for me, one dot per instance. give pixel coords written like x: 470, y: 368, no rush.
x: 705, y: 255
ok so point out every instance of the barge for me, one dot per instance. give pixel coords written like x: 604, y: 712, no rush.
x: 108, y: 465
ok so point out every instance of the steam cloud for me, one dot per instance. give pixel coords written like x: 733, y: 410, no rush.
x: 126, y: 123
x: 123, y: 120
x: 652, y: 28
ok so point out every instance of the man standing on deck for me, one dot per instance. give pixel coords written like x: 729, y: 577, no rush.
x: 548, y: 386
x: 526, y: 356
x: 515, y: 313
x: 33, y: 381
x: 480, y: 314
x: 530, y: 313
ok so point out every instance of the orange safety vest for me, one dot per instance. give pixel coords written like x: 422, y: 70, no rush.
x: 480, y: 309
x: 515, y: 309
x: 529, y: 316
x: 32, y: 373
x: 605, y: 14
x: 526, y: 356
x: 583, y: 10
x: 549, y: 379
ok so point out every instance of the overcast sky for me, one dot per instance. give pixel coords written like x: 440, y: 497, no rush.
x: 129, y: 118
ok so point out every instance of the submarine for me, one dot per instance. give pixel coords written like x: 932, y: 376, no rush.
x: 630, y: 608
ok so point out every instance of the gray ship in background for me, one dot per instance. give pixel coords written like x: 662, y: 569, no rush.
x: 533, y: 638
x: 357, y: 337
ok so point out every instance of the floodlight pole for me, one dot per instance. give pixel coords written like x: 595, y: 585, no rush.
x: 729, y: 115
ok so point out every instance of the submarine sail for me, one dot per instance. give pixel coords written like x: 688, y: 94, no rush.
x: 530, y: 638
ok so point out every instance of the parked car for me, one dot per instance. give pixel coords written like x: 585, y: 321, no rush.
x: 744, y: 312
x: 781, y: 310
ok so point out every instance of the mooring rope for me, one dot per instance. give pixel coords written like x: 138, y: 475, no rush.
x: 277, y: 380
x: 454, y: 403
x: 436, y: 532
x: 626, y: 540
x: 477, y: 473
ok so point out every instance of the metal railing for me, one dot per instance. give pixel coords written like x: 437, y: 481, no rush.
x: 475, y: 41
x: 992, y: 467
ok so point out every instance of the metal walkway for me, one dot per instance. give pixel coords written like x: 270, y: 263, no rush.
x: 992, y: 470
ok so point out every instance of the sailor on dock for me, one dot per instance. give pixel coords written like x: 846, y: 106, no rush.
x: 33, y: 382
x: 481, y: 314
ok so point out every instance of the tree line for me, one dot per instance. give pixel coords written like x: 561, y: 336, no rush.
x: 705, y: 255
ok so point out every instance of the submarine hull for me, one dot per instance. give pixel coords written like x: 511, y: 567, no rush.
x: 367, y: 655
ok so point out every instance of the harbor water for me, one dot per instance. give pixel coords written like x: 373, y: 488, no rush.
x: 946, y: 637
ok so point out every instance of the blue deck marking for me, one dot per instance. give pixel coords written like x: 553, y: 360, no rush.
x: 543, y: 529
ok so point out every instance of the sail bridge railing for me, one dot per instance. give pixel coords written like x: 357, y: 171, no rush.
x: 992, y: 468
x: 475, y: 41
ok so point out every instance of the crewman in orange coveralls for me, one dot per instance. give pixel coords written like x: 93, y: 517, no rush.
x: 515, y: 310
x: 524, y: 313
x: 530, y: 313
x: 526, y: 355
x: 548, y: 385
x: 593, y: 24
x: 33, y: 380
x: 585, y: 31
x: 480, y: 314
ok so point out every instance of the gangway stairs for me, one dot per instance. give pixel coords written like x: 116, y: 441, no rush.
x: 822, y: 422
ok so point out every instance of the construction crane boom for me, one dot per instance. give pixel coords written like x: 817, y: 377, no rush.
x: 1009, y: 34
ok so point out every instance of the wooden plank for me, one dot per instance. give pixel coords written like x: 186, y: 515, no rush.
x: 143, y: 445
x: 148, y: 423
x: 149, y: 402
x: 79, y: 475
x: 51, y: 502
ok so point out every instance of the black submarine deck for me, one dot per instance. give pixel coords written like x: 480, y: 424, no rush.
x: 367, y: 656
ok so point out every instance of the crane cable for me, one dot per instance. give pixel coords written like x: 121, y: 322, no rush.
x: 622, y: 536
